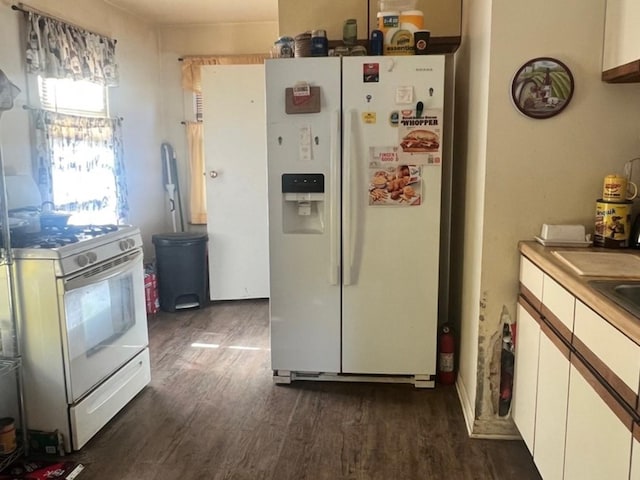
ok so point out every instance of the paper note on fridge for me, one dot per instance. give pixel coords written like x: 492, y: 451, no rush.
x: 420, y: 137
x: 304, y: 144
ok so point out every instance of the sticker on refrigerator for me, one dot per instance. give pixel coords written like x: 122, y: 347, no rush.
x: 399, y: 185
x: 419, y: 138
x: 304, y: 144
x: 371, y: 72
x: 404, y: 95
x: 380, y: 156
x: 369, y: 117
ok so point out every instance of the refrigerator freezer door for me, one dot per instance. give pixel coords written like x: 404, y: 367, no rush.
x: 390, y: 300
x: 304, y: 228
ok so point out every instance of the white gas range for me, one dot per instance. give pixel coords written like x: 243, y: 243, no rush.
x: 80, y: 301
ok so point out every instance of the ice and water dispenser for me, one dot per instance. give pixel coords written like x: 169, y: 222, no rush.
x: 303, y: 203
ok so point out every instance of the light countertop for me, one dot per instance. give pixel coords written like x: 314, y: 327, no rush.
x: 577, y: 284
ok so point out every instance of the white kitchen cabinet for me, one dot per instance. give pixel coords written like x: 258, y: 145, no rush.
x: 579, y: 376
x: 526, y: 373
x: 635, y: 455
x: 551, y: 405
x: 598, y: 442
x: 621, y: 51
x: 615, y: 350
x: 558, y: 305
x: 531, y: 278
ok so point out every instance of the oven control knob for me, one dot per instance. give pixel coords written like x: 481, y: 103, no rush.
x: 82, y: 260
x: 92, y: 257
x: 131, y: 242
x: 123, y: 245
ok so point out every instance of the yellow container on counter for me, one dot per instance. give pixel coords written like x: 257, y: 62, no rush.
x: 7, y: 436
x: 398, y: 29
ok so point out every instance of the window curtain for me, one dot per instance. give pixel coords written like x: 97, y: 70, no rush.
x: 197, y: 194
x: 91, y: 184
x: 56, y: 49
x: 191, y: 67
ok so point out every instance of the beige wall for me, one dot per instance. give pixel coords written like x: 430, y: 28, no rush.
x: 136, y: 99
x: 470, y: 140
x: 535, y: 171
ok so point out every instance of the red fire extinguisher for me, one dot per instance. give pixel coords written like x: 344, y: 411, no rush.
x: 446, y: 356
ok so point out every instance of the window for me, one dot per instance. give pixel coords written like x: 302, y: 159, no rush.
x: 80, y: 97
x: 81, y: 150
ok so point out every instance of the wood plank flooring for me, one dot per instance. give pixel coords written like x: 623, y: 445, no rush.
x: 212, y: 412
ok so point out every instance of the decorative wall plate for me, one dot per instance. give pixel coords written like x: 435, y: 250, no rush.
x: 542, y: 87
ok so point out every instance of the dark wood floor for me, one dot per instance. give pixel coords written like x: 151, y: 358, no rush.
x: 214, y: 413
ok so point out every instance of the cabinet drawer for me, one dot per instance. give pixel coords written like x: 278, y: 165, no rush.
x: 558, y: 306
x: 610, y: 353
x: 531, y: 278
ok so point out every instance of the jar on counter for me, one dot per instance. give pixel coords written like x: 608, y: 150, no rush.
x: 7, y: 436
x: 319, y: 43
x: 283, y: 47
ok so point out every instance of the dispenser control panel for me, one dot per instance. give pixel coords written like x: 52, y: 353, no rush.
x: 302, y: 183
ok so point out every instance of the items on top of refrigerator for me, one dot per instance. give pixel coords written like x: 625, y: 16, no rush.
x: 399, y: 20
x: 302, y: 44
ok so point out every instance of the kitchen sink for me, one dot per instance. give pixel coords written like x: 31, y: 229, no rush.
x: 625, y: 294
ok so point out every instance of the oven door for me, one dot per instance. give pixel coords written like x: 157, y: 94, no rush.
x: 104, y: 321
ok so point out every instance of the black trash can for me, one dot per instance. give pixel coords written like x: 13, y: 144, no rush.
x: 181, y: 264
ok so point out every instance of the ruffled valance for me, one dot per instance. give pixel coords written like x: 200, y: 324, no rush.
x: 191, y: 73
x: 58, y: 50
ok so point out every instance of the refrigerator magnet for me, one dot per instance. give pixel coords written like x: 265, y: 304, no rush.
x: 369, y: 117
x: 371, y: 72
x: 419, y: 138
x: 404, y: 95
x: 394, y: 118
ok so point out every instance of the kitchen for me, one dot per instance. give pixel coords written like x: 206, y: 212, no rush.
x: 500, y: 155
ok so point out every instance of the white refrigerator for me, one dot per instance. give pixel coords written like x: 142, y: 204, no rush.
x: 354, y: 152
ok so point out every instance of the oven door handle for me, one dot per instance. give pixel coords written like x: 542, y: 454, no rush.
x: 134, y: 260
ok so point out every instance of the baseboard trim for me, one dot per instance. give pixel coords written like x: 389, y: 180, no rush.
x: 467, y: 411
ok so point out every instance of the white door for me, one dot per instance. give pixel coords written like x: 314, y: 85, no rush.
x: 305, y: 291
x: 236, y: 169
x: 391, y: 249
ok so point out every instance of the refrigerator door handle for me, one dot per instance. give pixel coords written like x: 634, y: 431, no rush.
x: 334, y: 203
x: 347, y: 203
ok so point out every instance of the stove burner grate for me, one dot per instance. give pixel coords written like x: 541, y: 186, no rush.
x: 55, y: 237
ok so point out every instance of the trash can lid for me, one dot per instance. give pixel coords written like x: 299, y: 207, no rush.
x: 178, y: 238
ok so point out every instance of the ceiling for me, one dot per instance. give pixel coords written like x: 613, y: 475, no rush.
x: 183, y: 12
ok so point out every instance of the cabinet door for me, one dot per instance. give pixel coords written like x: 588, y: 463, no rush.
x: 611, y: 353
x: 598, y: 444
x: 296, y: 17
x: 443, y: 18
x: 526, y: 373
x: 621, y: 33
x: 558, y: 307
x: 531, y: 282
x: 551, y: 406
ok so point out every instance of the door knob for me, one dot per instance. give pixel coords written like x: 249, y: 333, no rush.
x: 213, y: 174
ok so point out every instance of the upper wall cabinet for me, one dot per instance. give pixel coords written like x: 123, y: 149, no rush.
x: 441, y: 17
x: 295, y: 17
x: 621, y: 56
